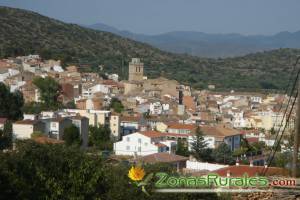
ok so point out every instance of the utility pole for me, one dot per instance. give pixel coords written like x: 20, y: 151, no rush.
x: 297, y: 130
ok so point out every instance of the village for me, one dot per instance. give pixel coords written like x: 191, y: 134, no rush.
x: 151, y: 120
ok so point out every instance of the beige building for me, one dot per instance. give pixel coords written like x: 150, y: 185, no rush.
x: 136, y: 70
x: 96, y: 117
x: 161, y: 127
x: 24, y: 128
x: 114, y: 124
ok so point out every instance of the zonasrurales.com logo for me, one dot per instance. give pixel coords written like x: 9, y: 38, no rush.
x: 163, y: 182
x: 136, y: 174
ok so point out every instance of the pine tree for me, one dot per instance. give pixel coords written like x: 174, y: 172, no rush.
x: 199, y: 147
x: 181, y: 148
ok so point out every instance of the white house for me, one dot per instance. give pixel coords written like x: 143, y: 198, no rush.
x: 24, y: 128
x: 215, y: 135
x: 144, y: 143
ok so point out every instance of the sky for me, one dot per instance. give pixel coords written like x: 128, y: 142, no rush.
x: 248, y: 17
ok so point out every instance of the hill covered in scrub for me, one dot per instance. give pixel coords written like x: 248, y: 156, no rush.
x: 24, y: 32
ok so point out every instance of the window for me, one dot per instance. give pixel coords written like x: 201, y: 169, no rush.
x: 139, y: 149
x: 127, y: 148
x: 146, y: 144
x: 128, y: 139
x: 139, y: 140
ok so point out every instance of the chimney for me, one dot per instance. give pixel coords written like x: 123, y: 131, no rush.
x: 228, y: 173
x: 237, y: 162
x: 251, y: 163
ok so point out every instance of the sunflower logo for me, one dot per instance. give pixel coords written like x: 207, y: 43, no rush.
x: 137, y: 174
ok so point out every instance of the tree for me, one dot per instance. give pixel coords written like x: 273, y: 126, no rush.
x: 199, y: 147
x: 100, y: 137
x: 50, y: 90
x: 181, y: 148
x: 6, y: 136
x: 71, y: 135
x: 10, y: 103
x: 116, y: 105
x: 223, y: 154
x: 44, y: 171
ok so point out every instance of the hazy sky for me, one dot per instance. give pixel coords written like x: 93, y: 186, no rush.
x: 158, y: 16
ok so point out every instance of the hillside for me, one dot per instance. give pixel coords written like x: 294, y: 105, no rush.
x: 210, y: 45
x: 23, y: 32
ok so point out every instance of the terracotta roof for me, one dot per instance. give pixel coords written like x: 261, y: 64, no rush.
x: 162, y: 158
x: 46, y: 140
x: 219, y: 131
x: 251, y: 171
x: 189, y: 102
x: 130, y: 118
x: 3, y: 120
x: 27, y: 121
x: 152, y: 134
x: 181, y: 126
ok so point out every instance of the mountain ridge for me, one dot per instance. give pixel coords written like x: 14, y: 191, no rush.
x: 212, y: 45
x: 26, y: 32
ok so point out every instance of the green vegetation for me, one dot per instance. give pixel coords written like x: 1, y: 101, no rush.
x: 116, y: 105
x: 71, y: 135
x: 182, y: 148
x: 6, y: 136
x: 10, y: 103
x: 49, y: 90
x: 23, y: 32
x: 99, y: 137
x: 47, y: 171
x: 223, y: 154
x: 199, y: 147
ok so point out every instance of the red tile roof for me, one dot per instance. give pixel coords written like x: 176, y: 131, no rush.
x: 130, y: 118
x: 46, y: 140
x: 152, y: 134
x: 181, y: 126
x: 27, y: 121
x: 240, y: 170
x: 219, y: 131
x: 162, y: 158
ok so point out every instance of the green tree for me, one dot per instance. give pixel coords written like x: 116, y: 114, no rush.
x: 50, y: 91
x: 116, y: 105
x: 223, y: 154
x: 71, y: 135
x: 199, y: 147
x: 57, y: 171
x: 100, y: 137
x: 182, y: 148
x: 10, y: 103
x: 6, y: 136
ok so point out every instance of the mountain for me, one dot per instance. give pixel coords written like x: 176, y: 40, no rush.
x: 24, y: 32
x: 210, y: 45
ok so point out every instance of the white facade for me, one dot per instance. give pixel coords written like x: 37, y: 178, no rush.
x: 198, y: 166
x: 141, y: 145
x: 210, y: 141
